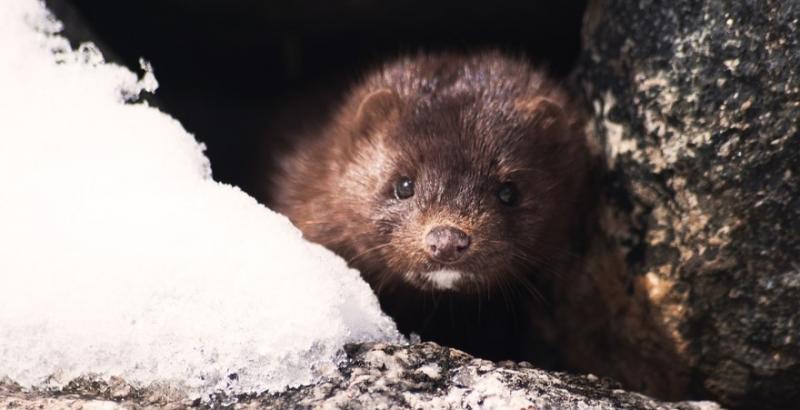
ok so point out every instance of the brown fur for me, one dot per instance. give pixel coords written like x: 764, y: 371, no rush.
x: 460, y: 126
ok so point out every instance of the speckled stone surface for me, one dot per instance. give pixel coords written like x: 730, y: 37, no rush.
x: 379, y: 376
x: 698, y: 106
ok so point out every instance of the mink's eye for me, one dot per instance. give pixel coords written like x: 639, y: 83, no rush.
x: 507, y: 194
x: 404, y: 188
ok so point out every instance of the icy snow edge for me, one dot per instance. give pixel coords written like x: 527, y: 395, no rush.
x: 120, y: 256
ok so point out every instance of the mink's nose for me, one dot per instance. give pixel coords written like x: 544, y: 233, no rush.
x: 446, y: 244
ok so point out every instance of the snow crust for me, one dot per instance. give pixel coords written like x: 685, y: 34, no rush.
x: 119, y: 254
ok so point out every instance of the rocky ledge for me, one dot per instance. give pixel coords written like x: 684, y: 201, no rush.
x: 374, y: 376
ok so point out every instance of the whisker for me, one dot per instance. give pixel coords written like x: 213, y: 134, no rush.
x: 382, y: 282
x: 503, y: 286
x: 435, y: 301
x: 374, y: 248
x: 530, y: 287
x: 519, y: 170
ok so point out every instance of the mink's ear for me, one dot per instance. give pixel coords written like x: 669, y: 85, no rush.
x: 376, y: 109
x: 542, y: 112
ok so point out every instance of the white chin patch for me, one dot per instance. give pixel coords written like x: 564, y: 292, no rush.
x: 443, y: 279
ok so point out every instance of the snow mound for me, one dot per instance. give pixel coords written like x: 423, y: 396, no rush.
x: 120, y: 256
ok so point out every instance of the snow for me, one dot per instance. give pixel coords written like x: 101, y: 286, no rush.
x: 119, y: 254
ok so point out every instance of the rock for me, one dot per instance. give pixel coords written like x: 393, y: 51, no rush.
x: 696, y: 104
x: 427, y: 375
x: 377, y: 375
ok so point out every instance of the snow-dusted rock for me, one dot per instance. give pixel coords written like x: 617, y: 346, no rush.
x: 385, y: 376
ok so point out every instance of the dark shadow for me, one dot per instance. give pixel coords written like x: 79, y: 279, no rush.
x: 244, y: 74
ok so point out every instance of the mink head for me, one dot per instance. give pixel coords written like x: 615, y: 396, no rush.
x: 451, y: 173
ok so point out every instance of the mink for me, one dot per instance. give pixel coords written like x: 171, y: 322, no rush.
x: 453, y: 183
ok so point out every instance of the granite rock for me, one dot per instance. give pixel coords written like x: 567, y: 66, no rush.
x: 696, y: 107
x: 376, y: 376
